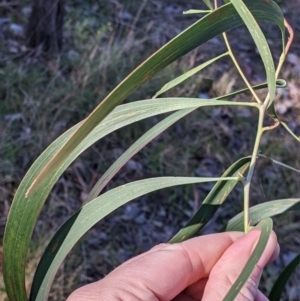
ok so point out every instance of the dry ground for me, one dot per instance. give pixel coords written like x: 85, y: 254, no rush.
x: 41, y: 98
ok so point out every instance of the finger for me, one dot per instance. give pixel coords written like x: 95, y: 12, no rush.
x: 195, y: 292
x: 163, y: 272
x: 230, y: 265
x: 186, y: 297
x: 196, y: 289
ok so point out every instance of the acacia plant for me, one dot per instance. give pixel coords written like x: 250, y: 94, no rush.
x: 109, y: 116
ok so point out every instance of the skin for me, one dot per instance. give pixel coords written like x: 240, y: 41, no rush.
x: 202, y: 268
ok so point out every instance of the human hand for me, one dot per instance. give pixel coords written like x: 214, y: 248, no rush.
x: 203, y: 268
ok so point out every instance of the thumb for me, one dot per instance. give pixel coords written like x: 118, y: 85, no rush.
x: 231, y: 264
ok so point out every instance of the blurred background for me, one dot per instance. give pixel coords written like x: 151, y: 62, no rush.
x: 53, y: 74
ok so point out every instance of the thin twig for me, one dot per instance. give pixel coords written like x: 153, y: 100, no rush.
x: 239, y: 69
x: 248, y: 180
x: 216, y: 4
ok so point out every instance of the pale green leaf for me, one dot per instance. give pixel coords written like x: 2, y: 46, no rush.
x: 79, y: 223
x: 261, y: 43
x: 173, y: 83
x: 262, y: 211
x: 271, y: 111
x: 197, y: 34
x: 133, y: 149
x: 24, y: 211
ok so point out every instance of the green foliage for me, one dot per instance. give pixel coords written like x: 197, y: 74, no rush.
x: 109, y: 116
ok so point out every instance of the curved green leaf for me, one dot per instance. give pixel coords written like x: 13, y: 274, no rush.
x: 213, y: 201
x: 213, y: 24
x: 79, y: 223
x: 280, y: 283
x: 176, y: 81
x: 271, y: 111
x: 266, y: 228
x: 280, y: 83
x: 261, y: 43
x: 24, y: 211
x: 262, y: 211
x: 133, y: 149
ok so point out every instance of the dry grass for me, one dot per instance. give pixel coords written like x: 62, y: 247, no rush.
x: 42, y: 98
